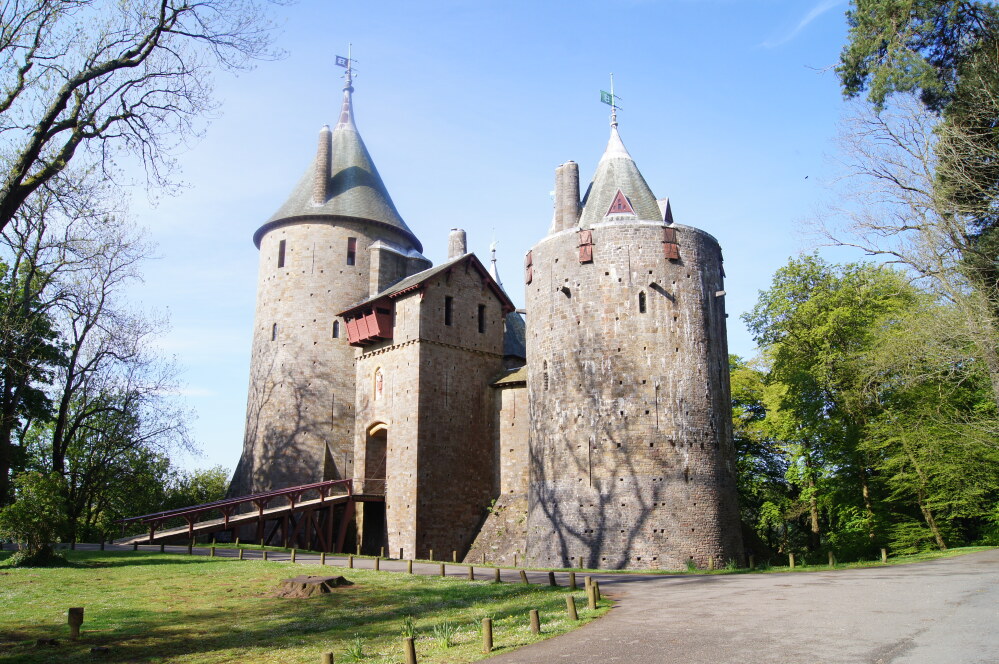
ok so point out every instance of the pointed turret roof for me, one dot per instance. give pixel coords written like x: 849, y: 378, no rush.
x: 352, y: 188
x: 617, y: 173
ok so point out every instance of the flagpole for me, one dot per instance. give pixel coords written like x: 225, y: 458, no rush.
x: 613, y: 102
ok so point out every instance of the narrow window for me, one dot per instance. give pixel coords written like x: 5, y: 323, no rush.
x: 281, y: 248
x: 351, y: 250
x: 274, y: 332
x: 336, y: 329
x: 482, y: 318
x: 546, y: 375
x: 448, y: 309
x: 641, y: 302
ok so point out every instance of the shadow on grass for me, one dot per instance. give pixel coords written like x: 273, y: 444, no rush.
x: 261, y: 623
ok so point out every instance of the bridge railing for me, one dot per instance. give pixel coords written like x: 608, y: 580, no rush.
x: 225, y: 509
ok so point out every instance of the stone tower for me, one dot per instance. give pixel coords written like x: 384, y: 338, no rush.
x: 631, y: 454
x: 336, y: 240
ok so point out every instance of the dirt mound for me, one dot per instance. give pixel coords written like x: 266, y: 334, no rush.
x: 305, y: 586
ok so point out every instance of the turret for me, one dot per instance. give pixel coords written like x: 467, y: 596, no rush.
x: 566, y: 197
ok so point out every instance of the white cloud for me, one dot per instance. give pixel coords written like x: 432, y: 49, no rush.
x: 815, y: 12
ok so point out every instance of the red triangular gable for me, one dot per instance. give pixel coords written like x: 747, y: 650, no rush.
x: 620, y: 205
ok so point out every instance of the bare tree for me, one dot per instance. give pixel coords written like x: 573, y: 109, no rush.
x: 101, y: 81
x: 896, y: 209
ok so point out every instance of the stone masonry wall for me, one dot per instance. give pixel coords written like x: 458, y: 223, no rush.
x: 631, y: 446
x: 300, y: 406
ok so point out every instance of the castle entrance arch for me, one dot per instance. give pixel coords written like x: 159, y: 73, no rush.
x: 374, y: 534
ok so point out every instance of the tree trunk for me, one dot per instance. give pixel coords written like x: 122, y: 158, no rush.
x: 921, y: 498
x: 865, y: 492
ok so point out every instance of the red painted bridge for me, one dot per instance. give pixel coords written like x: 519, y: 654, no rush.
x: 318, y: 517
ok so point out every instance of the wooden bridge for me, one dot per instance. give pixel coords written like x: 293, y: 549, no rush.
x: 315, y: 516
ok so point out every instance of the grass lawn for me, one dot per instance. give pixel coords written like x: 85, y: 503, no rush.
x: 152, y: 607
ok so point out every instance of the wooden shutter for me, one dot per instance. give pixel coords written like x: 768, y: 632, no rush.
x: 585, y: 246
x: 529, y: 267
x: 670, y: 247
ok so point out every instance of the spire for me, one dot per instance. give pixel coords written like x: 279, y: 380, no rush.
x: 493, y: 272
x: 353, y: 188
x: 617, y: 174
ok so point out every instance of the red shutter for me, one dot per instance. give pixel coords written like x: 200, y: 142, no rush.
x: 529, y: 267
x: 669, y: 235
x: 585, y: 246
x: 672, y: 251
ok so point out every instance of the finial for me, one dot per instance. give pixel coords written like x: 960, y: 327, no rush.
x: 610, y: 99
x: 346, y: 113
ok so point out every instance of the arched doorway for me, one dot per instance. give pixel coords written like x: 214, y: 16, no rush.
x: 374, y: 534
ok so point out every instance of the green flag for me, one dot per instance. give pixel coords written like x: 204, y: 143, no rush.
x: 607, y: 98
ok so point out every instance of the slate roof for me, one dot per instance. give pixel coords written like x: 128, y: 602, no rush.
x: 617, y: 171
x: 355, y: 190
x: 512, y: 377
x: 414, y: 281
x: 515, y: 336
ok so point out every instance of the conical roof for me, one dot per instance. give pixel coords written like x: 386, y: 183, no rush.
x: 617, y: 172
x: 353, y: 187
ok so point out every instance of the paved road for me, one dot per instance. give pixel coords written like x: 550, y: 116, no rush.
x: 940, y: 612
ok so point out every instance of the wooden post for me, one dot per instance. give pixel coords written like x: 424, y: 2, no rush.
x: 409, y: 567
x: 570, y: 607
x: 515, y: 560
x: 75, y: 616
x: 587, y: 581
x: 596, y: 589
x: 135, y: 546
x: 496, y: 576
x: 212, y: 553
x: 322, y: 557
x: 265, y: 555
x: 431, y: 554
x: 591, y: 597
x: 790, y: 559
x: 293, y: 555
x: 162, y: 548
x: 572, y: 581
x: 471, y: 573
x: 400, y: 553
x: 483, y: 557
x: 443, y: 571
x: 832, y: 559
x: 454, y: 556
x: 359, y: 549
x: 328, y: 658
x: 190, y: 548
x: 752, y: 561
x: 551, y: 579
x: 535, y: 622
x: 410, y: 649
x: 523, y: 577
x: 884, y: 556
x: 237, y: 541
x: 381, y: 552
x: 487, y: 635
x: 241, y: 554
x: 378, y: 564
x: 711, y: 563
x: 350, y: 561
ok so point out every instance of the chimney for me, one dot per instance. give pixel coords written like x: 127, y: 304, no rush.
x: 566, y: 196
x: 456, y: 244
x: 321, y: 175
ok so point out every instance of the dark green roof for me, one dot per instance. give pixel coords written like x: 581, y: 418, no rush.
x: 617, y: 171
x: 355, y: 190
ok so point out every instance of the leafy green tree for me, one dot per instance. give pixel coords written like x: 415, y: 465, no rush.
x: 37, y: 518
x: 813, y: 326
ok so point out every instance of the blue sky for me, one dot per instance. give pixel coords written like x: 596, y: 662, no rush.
x: 730, y: 109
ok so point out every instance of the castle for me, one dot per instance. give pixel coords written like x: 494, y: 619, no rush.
x: 596, y: 434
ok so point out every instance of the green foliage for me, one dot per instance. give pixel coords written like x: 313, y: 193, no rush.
x: 408, y: 627
x: 918, y: 46
x: 445, y: 633
x: 37, y: 517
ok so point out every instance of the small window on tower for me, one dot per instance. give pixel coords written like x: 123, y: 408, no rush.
x: 336, y: 329
x: 448, y: 309
x: 351, y: 250
x: 641, y: 302
x: 281, y: 248
x: 274, y: 332
x: 482, y: 318
x: 545, y: 377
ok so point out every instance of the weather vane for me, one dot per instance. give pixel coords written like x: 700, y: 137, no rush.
x: 610, y: 99
x: 346, y: 63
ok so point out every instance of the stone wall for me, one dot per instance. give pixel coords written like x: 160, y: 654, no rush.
x: 631, y: 446
x: 300, y: 405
